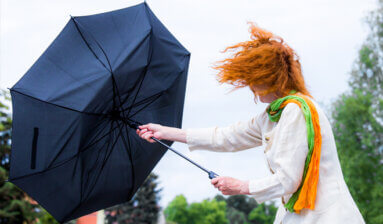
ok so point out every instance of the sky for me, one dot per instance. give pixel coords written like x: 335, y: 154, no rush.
x: 326, y: 34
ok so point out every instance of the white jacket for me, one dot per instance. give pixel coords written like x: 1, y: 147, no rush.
x: 285, y: 146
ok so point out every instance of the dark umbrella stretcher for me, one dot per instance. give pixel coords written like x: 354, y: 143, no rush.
x: 74, y: 145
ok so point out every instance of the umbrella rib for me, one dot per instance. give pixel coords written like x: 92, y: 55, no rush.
x: 133, y: 50
x: 138, y: 90
x: 143, y: 101
x: 107, y: 59
x: 146, y: 105
x: 77, y: 24
x: 95, y: 163
x: 64, y: 107
x: 68, y: 73
x: 103, y: 164
x: 126, y: 129
x: 92, y: 188
x: 110, y: 67
x: 145, y: 72
x: 97, y: 43
x: 107, y: 149
x: 95, y: 127
x: 127, y: 133
x: 127, y: 146
x: 87, y: 147
x: 135, y: 84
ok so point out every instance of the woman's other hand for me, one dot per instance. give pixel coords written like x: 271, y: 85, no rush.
x: 230, y: 186
x: 149, y: 130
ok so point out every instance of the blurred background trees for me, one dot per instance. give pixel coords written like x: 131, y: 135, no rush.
x: 143, y: 208
x: 235, y: 209
x: 357, y: 121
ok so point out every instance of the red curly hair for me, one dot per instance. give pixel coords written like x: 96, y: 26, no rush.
x: 264, y: 60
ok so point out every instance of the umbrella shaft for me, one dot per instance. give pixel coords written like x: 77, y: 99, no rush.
x: 134, y: 125
x: 180, y: 154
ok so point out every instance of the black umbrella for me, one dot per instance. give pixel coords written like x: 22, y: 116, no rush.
x: 75, y: 112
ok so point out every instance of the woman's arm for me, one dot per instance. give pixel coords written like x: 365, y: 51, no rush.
x: 238, y: 136
x: 289, y: 148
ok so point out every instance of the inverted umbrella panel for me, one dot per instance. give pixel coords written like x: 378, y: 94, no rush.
x: 75, y: 111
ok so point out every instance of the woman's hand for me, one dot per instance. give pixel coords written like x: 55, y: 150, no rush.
x: 149, y: 130
x: 158, y: 131
x: 230, y: 186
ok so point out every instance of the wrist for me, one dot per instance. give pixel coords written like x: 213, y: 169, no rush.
x: 166, y: 132
x: 245, y: 187
x: 173, y: 134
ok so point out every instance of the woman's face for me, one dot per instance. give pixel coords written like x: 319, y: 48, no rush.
x: 270, y: 97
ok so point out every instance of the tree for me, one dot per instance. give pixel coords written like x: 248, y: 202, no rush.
x: 244, y: 209
x: 206, y: 212
x: 357, y: 131
x: 143, y: 208
x: 241, y: 203
x: 357, y: 121
x: 263, y: 214
x: 235, y: 209
x: 177, y: 210
x: 235, y: 217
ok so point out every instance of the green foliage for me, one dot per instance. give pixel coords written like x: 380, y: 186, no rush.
x: 357, y: 121
x: 206, y: 212
x: 358, y: 137
x: 5, y: 130
x: 241, y: 203
x: 46, y: 218
x: 235, y: 217
x: 235, y: 209
x: 263, y: 214
x: 244, y: 209
x: 14, y: 208
x: 143, y: 208
x: 177, y: 210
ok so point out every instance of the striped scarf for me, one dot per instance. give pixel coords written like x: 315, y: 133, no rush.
x: 304, y: 197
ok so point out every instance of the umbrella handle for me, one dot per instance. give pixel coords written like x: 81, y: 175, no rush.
x: 212, y: 175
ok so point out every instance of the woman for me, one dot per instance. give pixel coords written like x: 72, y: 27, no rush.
x: 296, y: 134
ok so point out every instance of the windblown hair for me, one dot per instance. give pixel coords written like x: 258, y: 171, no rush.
x: 265, y: 59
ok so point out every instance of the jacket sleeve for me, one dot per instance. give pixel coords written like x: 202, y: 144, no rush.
x: 238, y: 136
x: 287, y: 157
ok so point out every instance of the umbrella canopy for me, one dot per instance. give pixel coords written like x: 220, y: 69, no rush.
x: 74, y: 146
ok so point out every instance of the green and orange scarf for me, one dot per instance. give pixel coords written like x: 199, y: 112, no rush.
x: 305, y: 196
